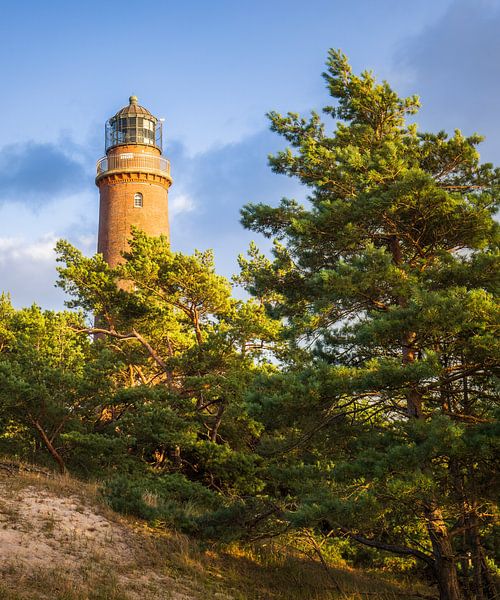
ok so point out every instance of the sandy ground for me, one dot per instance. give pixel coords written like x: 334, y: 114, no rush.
x: 41, y: 523
x: 44, y: 532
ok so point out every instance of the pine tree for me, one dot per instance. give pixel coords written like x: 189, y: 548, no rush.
x: 189, y: 351
x: 387, y: 282
x: 52, y: 381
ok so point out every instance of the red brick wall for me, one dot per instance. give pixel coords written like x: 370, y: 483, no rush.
x: 117, y: 212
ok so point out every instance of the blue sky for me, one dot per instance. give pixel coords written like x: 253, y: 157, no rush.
x: 212, y: 70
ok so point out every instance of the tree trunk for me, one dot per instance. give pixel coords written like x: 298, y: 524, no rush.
x: 175, y: 455
x: 48, y: 444
x: 484, y: 585
x: 218, y: 420
x: 445, y: 567
x: 413, y: 396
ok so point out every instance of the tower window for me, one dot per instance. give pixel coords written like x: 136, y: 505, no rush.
x: 138, y: 200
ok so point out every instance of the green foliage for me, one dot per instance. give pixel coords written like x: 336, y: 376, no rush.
x: 187, y: 354
x: 156, y: 403
x: 354, y: 396
x: 90, y: 453
x: 51, y: 379
x: 387, y: 283
x: 171, y: 499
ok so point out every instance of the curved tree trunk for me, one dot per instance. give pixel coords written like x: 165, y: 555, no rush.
x: 48, y: 444
x: 445, y: 567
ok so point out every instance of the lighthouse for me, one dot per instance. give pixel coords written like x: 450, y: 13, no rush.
x: 133, y: 180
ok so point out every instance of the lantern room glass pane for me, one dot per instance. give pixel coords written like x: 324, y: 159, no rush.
x: 133, y: 130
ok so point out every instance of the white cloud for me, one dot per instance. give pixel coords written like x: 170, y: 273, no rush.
x: 28, y: 271
x: 27, y: 239
x: 181, y: 203
x: 16, y: 249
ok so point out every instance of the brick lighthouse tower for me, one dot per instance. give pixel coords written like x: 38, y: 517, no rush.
x: 133, y: 180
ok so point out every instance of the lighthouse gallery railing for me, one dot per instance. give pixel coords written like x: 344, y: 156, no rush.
x: 130, y: 161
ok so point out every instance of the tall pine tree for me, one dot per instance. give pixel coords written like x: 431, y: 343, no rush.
x: 387, y: 284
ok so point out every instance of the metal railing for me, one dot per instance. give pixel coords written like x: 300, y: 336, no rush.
x: 133, y: 162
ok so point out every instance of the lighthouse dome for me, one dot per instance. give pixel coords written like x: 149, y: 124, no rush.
x: 133, y: 108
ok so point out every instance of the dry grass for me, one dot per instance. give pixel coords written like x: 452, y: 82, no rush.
x: 60, y: 541
x: 275, y: 572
